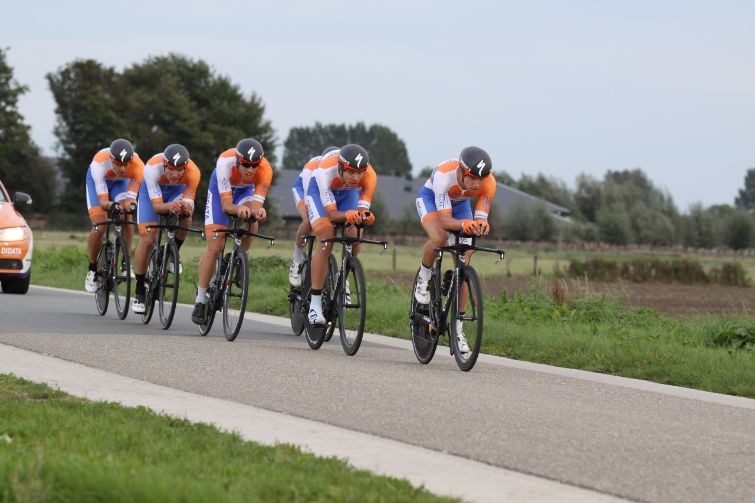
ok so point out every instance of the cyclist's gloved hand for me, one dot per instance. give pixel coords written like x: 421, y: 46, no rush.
x: 368, y: 217
x: 469, y: 227
x: 483, y: 225
x: 352, y: 216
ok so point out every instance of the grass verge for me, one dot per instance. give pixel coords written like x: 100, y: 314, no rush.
x: 54, y: 447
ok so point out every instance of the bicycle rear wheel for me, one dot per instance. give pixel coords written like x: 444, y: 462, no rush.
x: 169, y: 280
x: 151, y: 284
x: 121, y: 278
x: 466, y: 320
x: 102, y: 278
x: 235, y: 293
x: 212, y: 294
x: 423, y: 340
x: 351, y: 305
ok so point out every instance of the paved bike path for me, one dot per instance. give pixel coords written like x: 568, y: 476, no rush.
x: 625, y: 437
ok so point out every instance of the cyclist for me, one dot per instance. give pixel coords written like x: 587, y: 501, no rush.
x: 114, y: 175
x: 305, y: 228
x: 340, y: 190
x: 170, y: 186
x: 238, y: 187
x: 444, y: 205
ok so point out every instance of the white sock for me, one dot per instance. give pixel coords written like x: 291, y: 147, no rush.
x: 298, y: 255
x: 316, y: 303
x: 201, y: 295
x: 425, y: 272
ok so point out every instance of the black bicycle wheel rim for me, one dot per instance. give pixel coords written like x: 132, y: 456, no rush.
x: 102, y: 278
x: 352, y: 311
x: 315, y: 335
x: 235, y: 294
x: 331, y: 316
x: 423, y: 342
x: 151, y: 282
x: 472, y: 322
x: 169, y: 281
x: 121, y: 278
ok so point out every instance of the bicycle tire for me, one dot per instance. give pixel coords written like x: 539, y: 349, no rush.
x: 102, y: 277
x: 210, y: 305
x: 423, y: 341
x: 296, y: 303
x: 169, y: 282
x: 121, y: 278
x: 315, y: 335
x: 151, y: 284
x: 234, y: 302
x: 352, y: 309
x: 331, y: 315
x: 469, y: 321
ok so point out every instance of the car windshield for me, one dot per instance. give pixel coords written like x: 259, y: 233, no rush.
x: 3, y: 197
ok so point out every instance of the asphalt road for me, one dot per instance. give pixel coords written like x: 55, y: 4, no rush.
x: 615, y: 439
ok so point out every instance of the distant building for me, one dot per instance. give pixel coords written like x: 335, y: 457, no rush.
x: 398, y: 194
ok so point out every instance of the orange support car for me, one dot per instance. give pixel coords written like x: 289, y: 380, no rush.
x: 15, y: 243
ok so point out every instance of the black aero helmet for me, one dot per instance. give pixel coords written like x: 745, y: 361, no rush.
x: 353, y: 156
x: 122, y: 150
x: 475, y: 161
x: 329, y: 149
x: 176, y: 155
x: 249, y: 150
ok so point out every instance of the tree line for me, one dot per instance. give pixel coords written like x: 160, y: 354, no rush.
x: 175, y: 99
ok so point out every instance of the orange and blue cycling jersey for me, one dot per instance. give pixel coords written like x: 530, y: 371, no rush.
x: 103, y: 183
x: 157, y: 189
x: 227, y: 185
x: 442, y: 194
x: 302, y: 181
x: 328, y: 191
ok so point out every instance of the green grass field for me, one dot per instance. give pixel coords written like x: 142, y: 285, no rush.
x: 589, y: 332
x: 54, y: 447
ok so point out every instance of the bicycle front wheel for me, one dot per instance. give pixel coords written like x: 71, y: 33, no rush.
x: 423, y: 340
x: 235, y: 294
x: 169, y: 279
x: 151, y: 284
x: 121, y: 278
x: 102, y: 278
x: 352, y: 306
x: 466, y: 319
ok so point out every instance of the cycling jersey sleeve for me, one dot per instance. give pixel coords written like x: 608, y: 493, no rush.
x: 192, y: 182
x: 368, y: 184
x: 136, y: 174
x: 262, y: 180
x: 482, y: 208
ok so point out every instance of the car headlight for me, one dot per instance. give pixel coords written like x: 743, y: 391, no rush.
x: 12, y: 234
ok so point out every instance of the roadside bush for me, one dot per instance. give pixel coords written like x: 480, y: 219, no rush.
x: 648, y: 269
x: 731, y: 274
x: 735, y: 336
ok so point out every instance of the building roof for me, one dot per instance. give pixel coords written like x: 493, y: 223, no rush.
x: 399, y: 194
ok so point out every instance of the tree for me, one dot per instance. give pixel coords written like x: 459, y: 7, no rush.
x: 739, y: 231
x: 548, y: 188
x: 746, y: 198
x: 614, y: 225
x: 387, y: 151
x: 166, y: 99
x: 22, y: 168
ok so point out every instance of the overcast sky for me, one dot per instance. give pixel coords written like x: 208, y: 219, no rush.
x: 554, y: 87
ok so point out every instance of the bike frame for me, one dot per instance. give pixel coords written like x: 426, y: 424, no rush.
x: 440, y: 311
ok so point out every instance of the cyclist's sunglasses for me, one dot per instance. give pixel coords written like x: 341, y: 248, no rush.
x: 469, y: 173
x: 173, y: 168
x: 117, y: 162
x: 246, y: 164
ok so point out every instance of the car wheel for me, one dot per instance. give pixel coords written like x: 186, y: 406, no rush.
x: 17, y: 285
